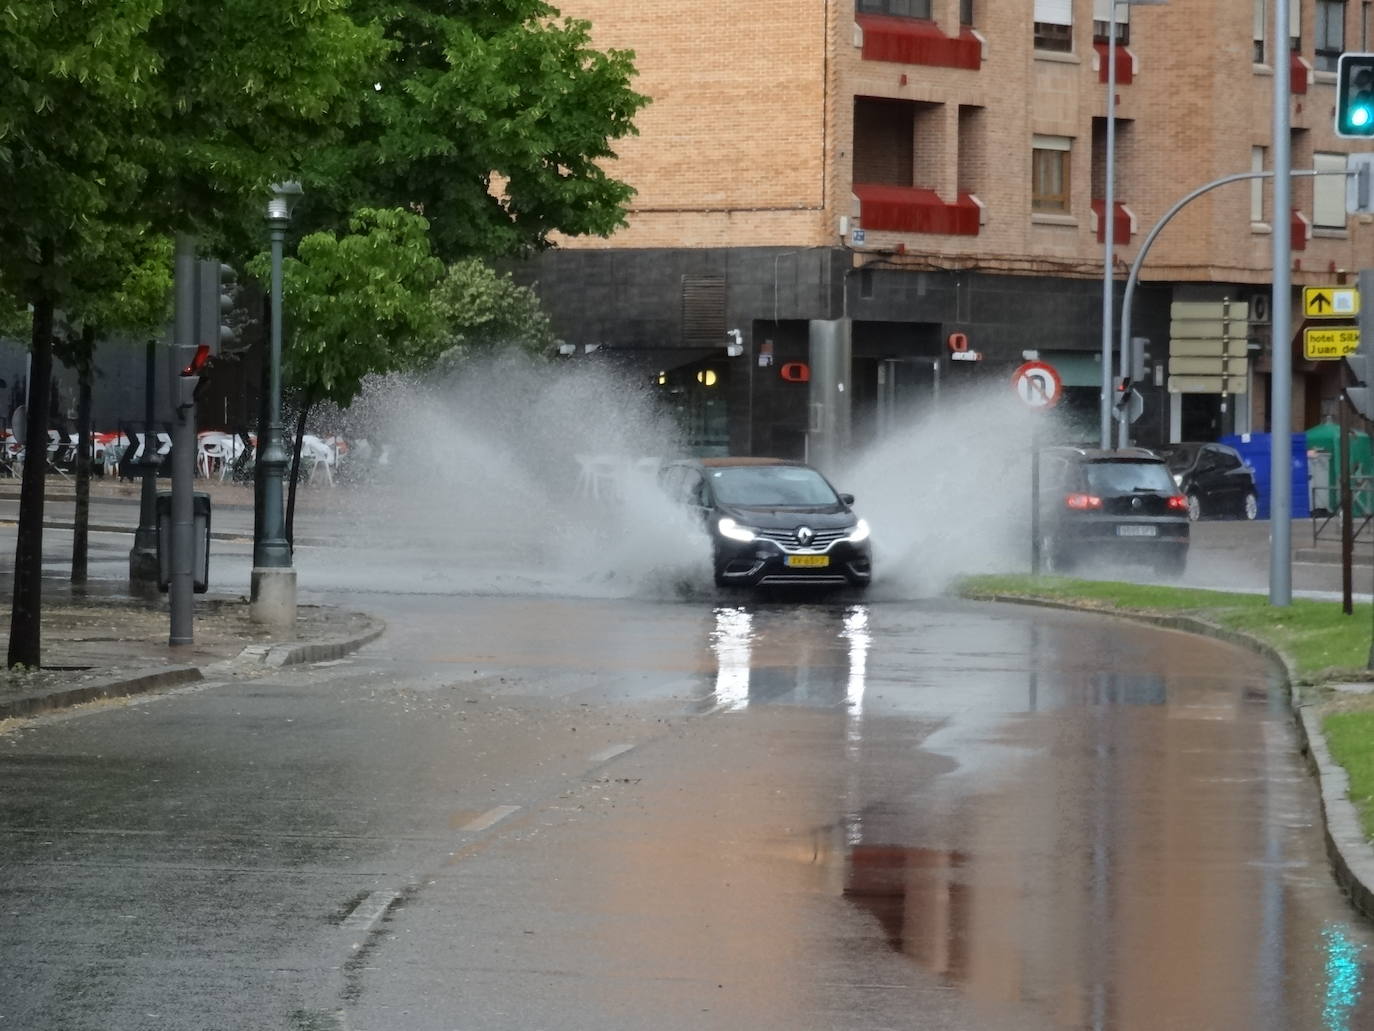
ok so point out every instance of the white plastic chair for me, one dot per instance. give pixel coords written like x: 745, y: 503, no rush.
x: 317, y: 455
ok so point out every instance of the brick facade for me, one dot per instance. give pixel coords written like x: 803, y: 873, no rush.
x: 750, y: 143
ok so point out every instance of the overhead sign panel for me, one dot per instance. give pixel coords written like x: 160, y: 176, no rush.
x: 1232, y: 347
x: 1207, y: 385
x: 1330, y: 302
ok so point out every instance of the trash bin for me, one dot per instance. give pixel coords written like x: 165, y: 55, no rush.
x: 1255, y: 448
x: 200, y: 561
x: 1327, y: 438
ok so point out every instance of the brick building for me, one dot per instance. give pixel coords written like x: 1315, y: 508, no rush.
x: 855, y: 189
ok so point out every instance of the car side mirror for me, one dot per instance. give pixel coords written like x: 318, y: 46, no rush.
x: 848, y: 499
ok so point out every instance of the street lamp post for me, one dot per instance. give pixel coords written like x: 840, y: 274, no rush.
x: 1109, y: 231
x: 274, y: 578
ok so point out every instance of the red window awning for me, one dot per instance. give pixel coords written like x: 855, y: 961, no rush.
x: 916, y: 41
x: 912, y: 209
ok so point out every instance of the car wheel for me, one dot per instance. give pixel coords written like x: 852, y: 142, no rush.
x: 1194, y: 508
x: 1249, y: 508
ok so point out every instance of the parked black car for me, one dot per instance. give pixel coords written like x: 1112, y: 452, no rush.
x: 1214, y: 478
x: 1113, y: 505
x: 773, y: 522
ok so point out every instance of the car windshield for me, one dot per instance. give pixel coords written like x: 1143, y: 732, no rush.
x: 1128, y: 477
x: 766, y: 486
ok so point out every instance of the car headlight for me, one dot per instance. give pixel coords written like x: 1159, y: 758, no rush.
x: 860, y: 532
x: 729, y: 528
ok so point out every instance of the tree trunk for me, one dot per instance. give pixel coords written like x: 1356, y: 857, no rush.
x: 26, y: 611
x: 295, y: 473
x: 84, y: 364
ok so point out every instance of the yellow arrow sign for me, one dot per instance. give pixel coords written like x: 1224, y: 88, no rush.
x: 1326, y: 344
x: 1330, y: 302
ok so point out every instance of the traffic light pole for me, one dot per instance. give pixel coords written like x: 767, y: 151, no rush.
x: 181, y: 582
x: 1281, y: 473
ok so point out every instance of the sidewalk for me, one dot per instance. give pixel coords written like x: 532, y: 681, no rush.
x: 99, y: 647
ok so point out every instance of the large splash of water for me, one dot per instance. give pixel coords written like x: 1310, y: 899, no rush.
x: 516, y: 476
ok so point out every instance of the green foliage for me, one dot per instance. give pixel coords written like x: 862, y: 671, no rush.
x: 159, y: 113
x: 492, y: 119
x: 482, y: 310
x: 1350, y: 736
x: 357, y: 303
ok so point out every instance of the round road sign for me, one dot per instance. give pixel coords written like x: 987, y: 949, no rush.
x: 1038, y: 384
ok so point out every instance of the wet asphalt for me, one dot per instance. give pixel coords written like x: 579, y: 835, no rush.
x: 544, y: 809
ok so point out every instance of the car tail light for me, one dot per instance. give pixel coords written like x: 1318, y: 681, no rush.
x: 1179, y: 502
x: 1083, y: 502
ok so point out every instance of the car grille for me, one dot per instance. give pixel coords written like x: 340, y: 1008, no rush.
x: 788, y: 538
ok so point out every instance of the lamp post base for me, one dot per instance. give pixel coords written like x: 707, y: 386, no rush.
x: 273, y: 597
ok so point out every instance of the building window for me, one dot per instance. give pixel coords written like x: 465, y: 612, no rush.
x: 1257, y: 155
x: 1328, y: 192
x: 1102, y: 21
x: 1050, y: 173
x: 898, y: 8
x: 965, y: 12
x: 1054, y: 25
x: 1261, y: 29
x: 1330, y: 33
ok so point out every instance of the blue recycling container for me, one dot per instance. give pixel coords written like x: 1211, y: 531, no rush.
x: 1257, y: 448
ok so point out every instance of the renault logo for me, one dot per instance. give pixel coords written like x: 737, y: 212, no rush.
x: 805, y: 535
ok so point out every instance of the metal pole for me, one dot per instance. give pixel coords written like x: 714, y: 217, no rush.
x: 1035, y: 494
x: 143, y: 566
x: 1281, y: 357
x: 272, y: 549
x: 1347, y: 514
x: 181, y: 582
x: 1109, y: 214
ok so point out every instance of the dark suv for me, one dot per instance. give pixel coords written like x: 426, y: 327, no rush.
x: 1214, y: 478
x: 1116, y: 506
x: 773, y: 522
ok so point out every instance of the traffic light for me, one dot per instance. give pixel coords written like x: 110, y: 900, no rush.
x: 214, y: 302
x: 1360, y: 363
x: 1355, y: 96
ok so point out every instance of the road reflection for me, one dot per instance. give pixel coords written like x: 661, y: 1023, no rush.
x: 1122, y: 837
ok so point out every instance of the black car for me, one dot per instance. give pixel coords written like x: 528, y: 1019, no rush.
x: 1214, y: 478
x: 1113, y: 505
x: 773, y: 522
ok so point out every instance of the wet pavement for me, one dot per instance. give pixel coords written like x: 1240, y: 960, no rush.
x: 535, y: 808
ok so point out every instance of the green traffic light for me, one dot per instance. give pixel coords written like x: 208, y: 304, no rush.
x: 1361, y: 117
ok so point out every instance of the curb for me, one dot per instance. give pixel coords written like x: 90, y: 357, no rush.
x: 1347, y: 848
x: 312, y: 651
x: 143, y: 681
x: 115, y: 687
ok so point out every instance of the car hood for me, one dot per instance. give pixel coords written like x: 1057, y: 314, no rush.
x: 826, y: 517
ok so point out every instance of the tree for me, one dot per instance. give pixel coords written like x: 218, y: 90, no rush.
x: 493, y: 120
x: 481, y: 310
x: 124, y: 289
x: 164, y: 113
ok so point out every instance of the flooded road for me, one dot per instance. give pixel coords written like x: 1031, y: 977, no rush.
x: 912, y: 816
x: 516, y: 813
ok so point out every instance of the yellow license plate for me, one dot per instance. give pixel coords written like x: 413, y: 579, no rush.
x: 808, y: 560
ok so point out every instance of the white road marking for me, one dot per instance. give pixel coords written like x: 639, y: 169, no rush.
x: 610, y: 753
x: 490, y: 817
x: 370, y: 910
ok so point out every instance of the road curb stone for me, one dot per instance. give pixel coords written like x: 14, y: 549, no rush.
x: 1348, y: 850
